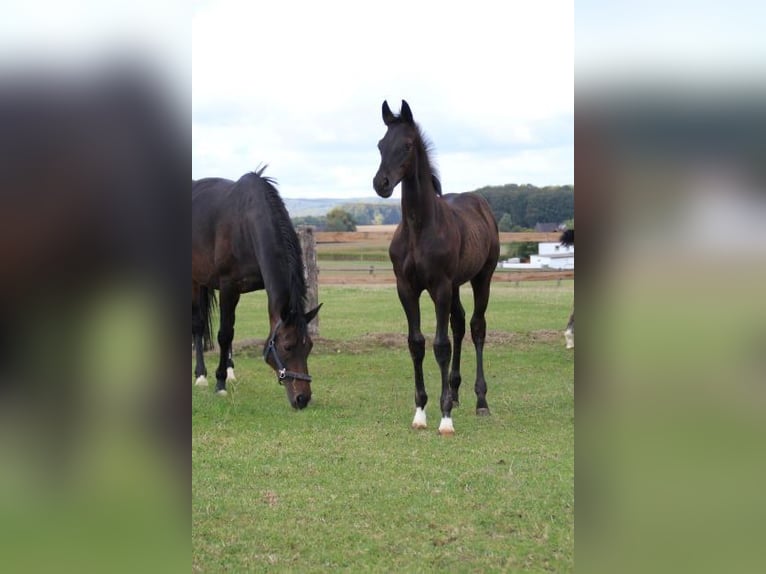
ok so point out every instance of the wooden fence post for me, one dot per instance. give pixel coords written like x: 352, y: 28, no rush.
x: 311, y: 273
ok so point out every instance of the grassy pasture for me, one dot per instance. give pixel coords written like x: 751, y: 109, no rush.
x: 346, y: 484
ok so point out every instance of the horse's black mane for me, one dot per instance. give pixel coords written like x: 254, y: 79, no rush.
x: 291, y: 267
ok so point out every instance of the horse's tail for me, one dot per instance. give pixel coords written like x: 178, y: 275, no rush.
x: 207, y: 303
x: 567, y: 238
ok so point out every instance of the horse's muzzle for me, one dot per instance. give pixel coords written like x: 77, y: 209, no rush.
x: 302, y: 401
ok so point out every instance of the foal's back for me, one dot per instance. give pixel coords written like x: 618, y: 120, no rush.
x: 475, y: 224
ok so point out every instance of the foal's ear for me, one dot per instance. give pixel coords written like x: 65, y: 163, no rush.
x: 406, y: 113
x: 313, y: 313
x: 388, y: 116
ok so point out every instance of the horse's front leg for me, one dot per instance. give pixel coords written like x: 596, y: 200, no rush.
x: 417, y: 344
x: 442, y: 297
x: 228, y: 303
x: 230, y: 377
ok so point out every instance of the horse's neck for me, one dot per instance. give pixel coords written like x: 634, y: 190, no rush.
x: 419, y: 198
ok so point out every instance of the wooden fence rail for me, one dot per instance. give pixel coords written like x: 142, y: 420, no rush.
x: 384, y: 274
x: 359, y: 236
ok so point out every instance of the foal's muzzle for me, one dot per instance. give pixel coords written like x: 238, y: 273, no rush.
x: 382, y: 185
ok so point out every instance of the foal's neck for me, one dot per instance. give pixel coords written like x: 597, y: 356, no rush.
x: 418, y: 193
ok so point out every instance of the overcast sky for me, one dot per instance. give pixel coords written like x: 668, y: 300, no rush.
x: 299, y: 85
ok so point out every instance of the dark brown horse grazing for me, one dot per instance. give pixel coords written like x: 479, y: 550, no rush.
x: 441, y: 243
x: 567, y: 239
x: 242, y: 241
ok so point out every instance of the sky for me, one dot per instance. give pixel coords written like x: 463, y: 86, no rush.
x: 299, y: 85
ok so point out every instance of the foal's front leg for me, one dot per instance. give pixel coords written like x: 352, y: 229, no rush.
x: 443, y: 351
x: 417, y: 344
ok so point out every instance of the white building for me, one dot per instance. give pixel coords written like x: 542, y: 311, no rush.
x: 549, y: 256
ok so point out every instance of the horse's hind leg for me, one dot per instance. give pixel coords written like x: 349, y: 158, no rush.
x: 569, y: 333
x: 480, y: 286
x: 198, y: 330
x: 457, y: 322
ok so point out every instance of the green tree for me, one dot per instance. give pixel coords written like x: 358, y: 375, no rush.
x: 340, y: 220
x: 505, y: 223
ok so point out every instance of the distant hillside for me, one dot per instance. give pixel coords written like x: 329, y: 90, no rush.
x: 516, y: 207
x: 317, y: 207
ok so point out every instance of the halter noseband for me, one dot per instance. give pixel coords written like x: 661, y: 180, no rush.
x: 282, y: 372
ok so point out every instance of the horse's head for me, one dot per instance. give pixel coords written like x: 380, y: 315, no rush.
x: 397, y: 150
x: 286, y: 351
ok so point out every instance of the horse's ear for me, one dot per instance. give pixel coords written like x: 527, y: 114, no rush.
x: 313, y: 313
x: 388, y: 116
x: 406, y: 113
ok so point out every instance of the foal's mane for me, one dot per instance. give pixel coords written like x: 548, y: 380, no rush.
x: 289, y: 271
x: 428, y: 153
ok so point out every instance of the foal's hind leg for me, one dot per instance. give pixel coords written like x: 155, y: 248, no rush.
x: 480, y: 286
x: 457, y: 322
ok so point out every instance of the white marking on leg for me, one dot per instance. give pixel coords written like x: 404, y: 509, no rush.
x: 201, y: 381
x: 419, y: 422
x: 569, y: 337
x: 445, y: 426
x: 230, y: 375
x: 221, y: 393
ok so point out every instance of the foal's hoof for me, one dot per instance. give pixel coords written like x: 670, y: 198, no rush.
x: 483, y: 412
x: 201, y: 381
x: 445, y: 427
x: 221, y: 393
x: 419, y: 422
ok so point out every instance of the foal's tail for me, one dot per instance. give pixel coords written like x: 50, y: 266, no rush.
x: 567, y: 238
x: 207, y: 304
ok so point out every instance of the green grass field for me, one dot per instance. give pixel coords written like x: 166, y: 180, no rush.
x: 346, y: 484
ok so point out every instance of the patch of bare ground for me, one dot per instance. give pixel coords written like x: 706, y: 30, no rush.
x: 373, y: 341
x: 386, y: 277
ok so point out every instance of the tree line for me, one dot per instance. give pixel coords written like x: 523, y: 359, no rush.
x: 516, y: 208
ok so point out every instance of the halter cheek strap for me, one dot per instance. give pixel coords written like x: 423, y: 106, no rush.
x: 282, y: 372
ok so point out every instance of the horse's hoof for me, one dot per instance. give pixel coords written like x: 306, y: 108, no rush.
x: 221, y: 393
x: 201, y: 381
x: 446, y: 432
x: 483, y: 412
x: 419, y: 426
